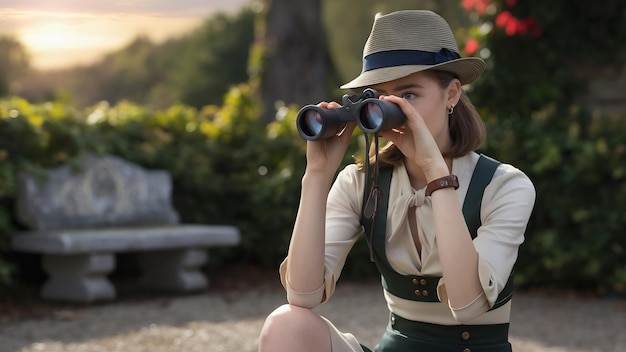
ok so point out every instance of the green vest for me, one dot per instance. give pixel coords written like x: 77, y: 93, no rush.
x: 424, y: 288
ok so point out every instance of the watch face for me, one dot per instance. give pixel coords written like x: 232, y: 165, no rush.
x: 443, y: 182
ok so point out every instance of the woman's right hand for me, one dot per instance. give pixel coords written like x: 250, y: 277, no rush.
x: 325, y: 155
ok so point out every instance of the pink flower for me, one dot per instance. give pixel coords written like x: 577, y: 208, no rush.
x: 503, y: 18
x: 471, y: 46
x: 513, y: 27
x: 480, y: 6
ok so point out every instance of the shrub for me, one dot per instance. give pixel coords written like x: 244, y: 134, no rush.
x: 534, y: 99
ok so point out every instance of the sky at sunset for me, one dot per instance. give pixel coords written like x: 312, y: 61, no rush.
x: 62, y: 33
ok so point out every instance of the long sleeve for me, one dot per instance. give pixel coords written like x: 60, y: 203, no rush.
x: 505, y: 211
x: 342, y: 231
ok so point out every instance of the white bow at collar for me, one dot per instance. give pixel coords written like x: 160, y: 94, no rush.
x: 406, y: 199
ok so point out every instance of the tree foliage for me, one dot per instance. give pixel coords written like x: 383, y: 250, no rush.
x: 196, y: 69
x: 534, y: 97
x: 542, y: 51
x: 212, y: 59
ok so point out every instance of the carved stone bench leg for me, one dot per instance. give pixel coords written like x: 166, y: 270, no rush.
x: 80, y: 278
x: 173, y: 270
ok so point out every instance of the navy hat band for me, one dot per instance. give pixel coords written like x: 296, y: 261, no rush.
x: 392, y: 58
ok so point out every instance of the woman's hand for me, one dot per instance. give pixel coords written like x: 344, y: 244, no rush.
x: 325, y: 155
x: 414, y: 139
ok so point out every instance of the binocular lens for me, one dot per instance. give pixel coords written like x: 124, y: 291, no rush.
x: 379, y: 115
x: 313, y: 122
x: 373, y: 116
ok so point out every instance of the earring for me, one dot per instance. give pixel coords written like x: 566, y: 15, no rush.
x: 451, y: 110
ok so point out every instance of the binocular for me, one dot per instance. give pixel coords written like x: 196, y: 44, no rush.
x: 371, y: 114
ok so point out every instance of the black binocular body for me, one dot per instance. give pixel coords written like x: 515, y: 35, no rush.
x: 371, y: 114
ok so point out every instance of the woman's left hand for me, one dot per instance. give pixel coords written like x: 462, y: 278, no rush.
x: 414, y: 139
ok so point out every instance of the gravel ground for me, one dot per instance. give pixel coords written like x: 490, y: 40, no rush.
x: 230, y: 320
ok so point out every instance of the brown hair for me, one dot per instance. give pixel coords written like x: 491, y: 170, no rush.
x: 467, y: 129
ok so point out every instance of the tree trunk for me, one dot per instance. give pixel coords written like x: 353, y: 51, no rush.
x: 297, y: 60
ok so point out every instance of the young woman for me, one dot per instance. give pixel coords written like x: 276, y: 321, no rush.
x: 445, y: 283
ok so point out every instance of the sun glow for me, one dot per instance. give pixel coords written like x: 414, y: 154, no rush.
x: 81, y: 33
x: 57, y: 44
x: 55, y: 35
x: 78, y: 40
x: 63, y: 39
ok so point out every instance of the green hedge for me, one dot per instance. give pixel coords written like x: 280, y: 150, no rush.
x: 228, y: 168
x: 575, y: 236
x: 535, y: 97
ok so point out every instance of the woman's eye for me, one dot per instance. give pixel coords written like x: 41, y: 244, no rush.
x: 409, y: 96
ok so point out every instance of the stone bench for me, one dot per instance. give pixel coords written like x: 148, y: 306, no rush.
x: 83, y: 213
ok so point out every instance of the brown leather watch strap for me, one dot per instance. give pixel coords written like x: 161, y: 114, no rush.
x: 442, y: 182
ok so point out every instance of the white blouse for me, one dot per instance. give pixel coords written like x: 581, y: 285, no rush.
x: 505, y: 210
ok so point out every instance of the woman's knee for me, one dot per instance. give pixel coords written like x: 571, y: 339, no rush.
x: 293, y: 318
x: 292, y: 324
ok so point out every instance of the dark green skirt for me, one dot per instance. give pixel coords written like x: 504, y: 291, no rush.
x: 404, y: 335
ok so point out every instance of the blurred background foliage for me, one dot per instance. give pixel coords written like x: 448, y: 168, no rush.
x: 198, y: 106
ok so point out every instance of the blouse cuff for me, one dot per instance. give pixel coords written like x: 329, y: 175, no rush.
x: 478, y: 305
x: 472, y: 310
x: 301, y: 299
x: 487, y: 281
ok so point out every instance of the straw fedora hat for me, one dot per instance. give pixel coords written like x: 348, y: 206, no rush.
x: 405, y: 42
